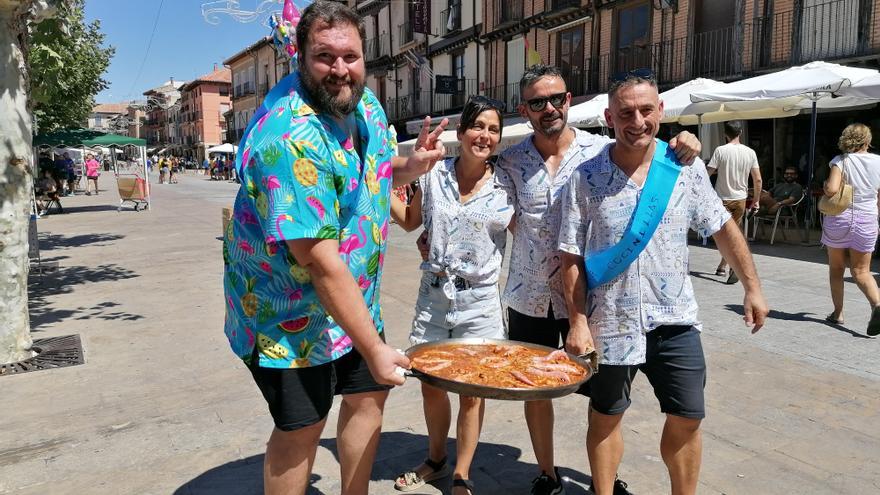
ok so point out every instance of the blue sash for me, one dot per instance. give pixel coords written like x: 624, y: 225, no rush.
x: 604, y: 265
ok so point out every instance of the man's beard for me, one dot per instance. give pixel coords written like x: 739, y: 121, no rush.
x: 540, y: 125
x: 324, y: 102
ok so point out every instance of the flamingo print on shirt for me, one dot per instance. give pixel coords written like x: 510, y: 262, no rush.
x: 354, y: 241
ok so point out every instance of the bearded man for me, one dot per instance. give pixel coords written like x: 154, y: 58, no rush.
x: 304, y: 252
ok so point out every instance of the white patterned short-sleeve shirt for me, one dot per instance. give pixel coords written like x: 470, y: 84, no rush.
x: 654, y: 290
x: 467, y: 240
x: 535, y: 280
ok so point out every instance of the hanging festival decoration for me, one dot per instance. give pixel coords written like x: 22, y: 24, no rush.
x: 284, y: 30
x: 212, y: 12
x: 283, y: 25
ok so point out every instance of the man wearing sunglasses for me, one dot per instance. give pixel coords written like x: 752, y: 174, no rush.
x: 624, y: 250
x: 538, y: 168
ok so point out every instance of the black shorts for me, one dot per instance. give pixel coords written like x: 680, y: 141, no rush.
x: 541, y: 330
x: 300, y: 397
x: 546, y: 331
x: 675, y: 367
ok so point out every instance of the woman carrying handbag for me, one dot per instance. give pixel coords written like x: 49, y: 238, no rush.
x: 850, y: 225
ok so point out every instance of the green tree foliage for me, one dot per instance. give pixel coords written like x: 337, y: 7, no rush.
x: 66, y: 61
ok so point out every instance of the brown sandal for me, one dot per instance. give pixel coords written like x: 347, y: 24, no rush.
x: 468, y: 484
x: 410, y: 480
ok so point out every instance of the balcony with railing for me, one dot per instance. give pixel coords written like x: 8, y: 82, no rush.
x: 506, y: 93
x: 412, y: 105
x: 561, y: 5
x: 450, y: 19
x: 834, y: 30
x: 243, y: 89
x: 378, y: 47
x: 446, y: 103
x: 405, y: 32
x: 508, y: 12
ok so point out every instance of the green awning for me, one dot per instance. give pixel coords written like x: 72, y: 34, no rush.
x: 84, y: 137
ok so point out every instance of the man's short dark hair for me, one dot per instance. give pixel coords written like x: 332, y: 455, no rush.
x: 535, y: 72
x: 631, y: 78
x: 733, y: 129
x: 330, y: 13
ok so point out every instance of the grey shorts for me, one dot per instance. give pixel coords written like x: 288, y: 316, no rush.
x: 471, y: 312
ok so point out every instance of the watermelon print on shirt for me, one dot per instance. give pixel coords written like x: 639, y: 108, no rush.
x: 303, y: 178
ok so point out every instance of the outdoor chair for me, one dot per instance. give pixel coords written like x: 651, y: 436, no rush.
x: 49, y: 200
x: 132, y: 190
x: 787, y: 214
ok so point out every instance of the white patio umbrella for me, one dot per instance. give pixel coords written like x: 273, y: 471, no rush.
x: 786, y: 88
x: 223, y: 148
x: 678, y: 107
x: 868, y: 88
x: 510, y: 136
x: 796, y: 87
x: 590, y: 113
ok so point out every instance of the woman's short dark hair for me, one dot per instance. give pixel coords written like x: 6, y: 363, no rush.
x: 474, y: 107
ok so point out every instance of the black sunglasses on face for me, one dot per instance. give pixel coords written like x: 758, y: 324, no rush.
x: 483, y: 100
x: 538, y: 104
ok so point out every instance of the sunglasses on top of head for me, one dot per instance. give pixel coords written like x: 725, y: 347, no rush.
x: 538, y: 104
x: 620, y: 78
x: 490, y: 102
x: 643, y: 73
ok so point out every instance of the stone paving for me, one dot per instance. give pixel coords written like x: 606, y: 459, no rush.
x: 162, y: 406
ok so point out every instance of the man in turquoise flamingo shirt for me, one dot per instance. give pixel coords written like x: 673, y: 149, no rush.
x: 305, y: 250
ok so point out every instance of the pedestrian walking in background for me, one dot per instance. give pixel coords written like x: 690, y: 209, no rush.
x: 734, y: 162
x: 853, y: 233
x: 466, y: 214
x: 93, y: 170
x: 164, y: 167
x: 174, y: 169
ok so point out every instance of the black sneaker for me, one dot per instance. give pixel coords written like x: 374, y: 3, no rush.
x: 619, y: 488
x: 545, y: 485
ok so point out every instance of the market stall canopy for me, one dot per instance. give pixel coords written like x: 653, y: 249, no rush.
x: 105, y: 150
x: 223, y: 148
x: 510, y: 136
x: 590, y: 113
x: 84, y: 137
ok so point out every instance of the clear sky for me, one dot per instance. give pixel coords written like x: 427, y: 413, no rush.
x: 184, y: 45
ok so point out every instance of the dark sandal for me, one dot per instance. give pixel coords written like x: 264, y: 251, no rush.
x: 835, y: 321
x: 874, y: 323
x: 468, y: 484
x: 412, y: 480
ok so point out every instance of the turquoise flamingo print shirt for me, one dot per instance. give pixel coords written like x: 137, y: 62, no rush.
x: 303, y: 177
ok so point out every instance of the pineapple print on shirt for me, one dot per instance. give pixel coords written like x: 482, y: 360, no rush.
x: 303, y: 178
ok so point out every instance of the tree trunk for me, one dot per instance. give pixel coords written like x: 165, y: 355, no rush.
x: 16, y: 183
